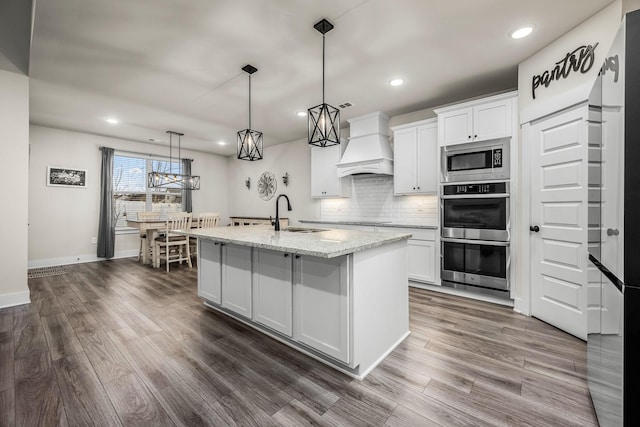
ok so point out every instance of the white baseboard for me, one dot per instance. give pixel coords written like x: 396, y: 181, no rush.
x: 15, y: 298
x: 461, y: 293
x: 78, y: 259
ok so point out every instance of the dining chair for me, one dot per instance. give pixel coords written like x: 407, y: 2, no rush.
x: 173, y: 247
x: 205, y: 220
x: 208, y: 219
x: 145, y: 243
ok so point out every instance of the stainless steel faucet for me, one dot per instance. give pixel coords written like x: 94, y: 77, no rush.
x: 277, y: 224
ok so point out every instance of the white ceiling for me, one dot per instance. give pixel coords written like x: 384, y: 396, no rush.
x: 161, y: 65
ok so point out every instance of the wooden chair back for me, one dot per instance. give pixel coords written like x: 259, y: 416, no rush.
x: 208, y: 219
x: 178, y: 221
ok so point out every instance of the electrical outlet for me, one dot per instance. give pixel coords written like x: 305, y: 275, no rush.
x: 94, y: 240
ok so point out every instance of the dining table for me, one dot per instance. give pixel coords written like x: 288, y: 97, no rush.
x: 152, y: 227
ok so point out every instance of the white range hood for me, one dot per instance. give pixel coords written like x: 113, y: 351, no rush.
x: 368, y: 150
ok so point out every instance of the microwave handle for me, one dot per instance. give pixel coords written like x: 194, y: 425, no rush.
x: 474, y: 242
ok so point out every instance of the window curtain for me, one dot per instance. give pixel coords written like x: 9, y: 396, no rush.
x: 187, y: 204
x: 107, y: 223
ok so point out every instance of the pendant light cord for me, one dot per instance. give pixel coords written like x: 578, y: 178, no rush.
x: 170, y: 160
x: 249, y: 101
x: 323, y: 68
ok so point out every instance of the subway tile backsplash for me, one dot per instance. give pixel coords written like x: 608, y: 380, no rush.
x: 372, y: 199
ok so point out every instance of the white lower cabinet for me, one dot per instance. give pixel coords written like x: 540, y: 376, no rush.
x: 236, y: 279
x: 210, y: 271
x: 321, y: 305
x: 421, y: 260
x: 273, y: 290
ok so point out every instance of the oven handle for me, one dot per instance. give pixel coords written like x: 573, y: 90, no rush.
x: 477, y: 196
x: 474, y: 242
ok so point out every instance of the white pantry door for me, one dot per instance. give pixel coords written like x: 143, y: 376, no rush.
x: 559, y: 210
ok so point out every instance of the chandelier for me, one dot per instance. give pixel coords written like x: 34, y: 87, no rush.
x: 249, y: 141
x: 169, y: 179
x: 324, y: 120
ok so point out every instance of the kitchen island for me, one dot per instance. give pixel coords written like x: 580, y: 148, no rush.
x: 339, y: 296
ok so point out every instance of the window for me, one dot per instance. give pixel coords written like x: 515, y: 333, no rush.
x: 130, y: 192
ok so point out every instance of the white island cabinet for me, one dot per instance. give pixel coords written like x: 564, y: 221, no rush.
x: 273, y: 290
x: 322, y: 302
x: 339, y: 296
x: 210, y: 271
x: 236, y: 279
x: 223, y: 277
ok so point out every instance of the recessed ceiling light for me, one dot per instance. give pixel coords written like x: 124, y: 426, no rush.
x: 301, y: 113
x: 222, y: 142
x: 112, y: 120
x: 522, y: 32
x: 396, y: 82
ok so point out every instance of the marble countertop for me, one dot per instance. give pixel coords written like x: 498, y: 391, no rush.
x: 371, y: 223
x: 328, y: 243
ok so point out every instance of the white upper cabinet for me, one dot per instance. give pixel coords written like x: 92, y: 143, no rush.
x: 479, y: 120
x: 415, y: 152
x: 324, y: 173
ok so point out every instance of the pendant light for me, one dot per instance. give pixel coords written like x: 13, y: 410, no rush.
x: 160, y: 179
x: 249, y: 141
x: 324, y: 120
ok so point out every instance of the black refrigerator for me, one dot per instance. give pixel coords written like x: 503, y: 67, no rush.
x: 613, y: 339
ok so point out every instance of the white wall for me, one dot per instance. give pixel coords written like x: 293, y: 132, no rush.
x: 292, y: 157
x: 62, y: 221
x: 14, y: 145
x: 563, y: 93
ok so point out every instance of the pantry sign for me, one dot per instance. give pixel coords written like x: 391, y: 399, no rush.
x: 579, y: 60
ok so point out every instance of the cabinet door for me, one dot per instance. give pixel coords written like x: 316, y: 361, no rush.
x: 236, y: 279
x: 456, y: 127
x: 321, y: 305
x: 427, y: 159
x: 492, y: 120
x: 404, y: 161
x: 273, y: 290
x: 421, y: 260
x: 210, y: 271
x: 324, y: 171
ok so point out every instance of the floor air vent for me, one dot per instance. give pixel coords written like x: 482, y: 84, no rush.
x: 34, y: 273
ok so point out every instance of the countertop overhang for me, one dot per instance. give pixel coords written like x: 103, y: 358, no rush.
x: 328, y: 243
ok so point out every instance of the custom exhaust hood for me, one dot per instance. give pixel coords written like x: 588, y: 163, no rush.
x: 368, y: 150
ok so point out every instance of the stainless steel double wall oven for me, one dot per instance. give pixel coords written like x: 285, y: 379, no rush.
x: 475, y: 217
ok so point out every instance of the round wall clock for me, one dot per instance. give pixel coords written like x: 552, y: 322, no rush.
x: 267, y: 185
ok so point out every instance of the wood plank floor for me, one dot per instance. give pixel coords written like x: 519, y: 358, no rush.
x: 118, y: 343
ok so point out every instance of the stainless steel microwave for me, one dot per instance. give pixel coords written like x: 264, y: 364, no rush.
x: 476, y: 161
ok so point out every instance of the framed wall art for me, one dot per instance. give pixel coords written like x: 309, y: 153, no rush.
x: 66, y: 177
x: 267, y: 185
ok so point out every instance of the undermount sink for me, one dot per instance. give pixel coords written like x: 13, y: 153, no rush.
x: 302, y: 230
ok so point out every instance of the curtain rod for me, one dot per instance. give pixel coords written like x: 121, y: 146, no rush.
x: 142, y: 154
